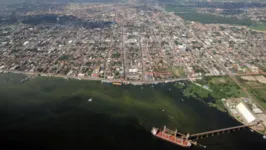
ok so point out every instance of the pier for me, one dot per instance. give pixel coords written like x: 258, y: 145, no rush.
x: 167, y: 134
x: 217, y: 132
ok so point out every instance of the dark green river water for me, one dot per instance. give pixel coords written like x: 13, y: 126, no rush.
x: 49, y: 113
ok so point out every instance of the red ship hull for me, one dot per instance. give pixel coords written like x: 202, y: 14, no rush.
x: 171, y: 138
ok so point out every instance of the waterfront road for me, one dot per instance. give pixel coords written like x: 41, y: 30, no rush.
x: 139, y: 82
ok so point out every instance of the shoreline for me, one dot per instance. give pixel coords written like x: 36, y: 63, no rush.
x: 251, y: 128
x: 103, y: 80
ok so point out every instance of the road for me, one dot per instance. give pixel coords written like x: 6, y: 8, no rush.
x: 100, y: 79
x: 246, y: 92
x: 111, y: 80
x: 233, y: 77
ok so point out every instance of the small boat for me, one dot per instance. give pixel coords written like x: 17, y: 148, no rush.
x: 169, y: 89
x: 264, y: 137
x: 117, y: 83
x: 25, y: 79
x: 182, y: 100
x: 251, y: 130
x: 89, y: 100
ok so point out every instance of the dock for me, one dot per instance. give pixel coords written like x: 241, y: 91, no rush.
x: 187, y: 140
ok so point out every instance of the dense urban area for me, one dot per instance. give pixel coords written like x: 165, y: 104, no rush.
x: 126, y: 41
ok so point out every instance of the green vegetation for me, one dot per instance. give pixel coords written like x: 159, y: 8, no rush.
x: 260, y: 95
x: 256, y: 89
x: 116, y: 55
x: 258, y: 26
x: 196, y: 91
x: 262, y: 67
x: 63, y: 57
x: 192, y: 15
x: 178, y: 71
x: 180, y: 85
x: 216, y: 88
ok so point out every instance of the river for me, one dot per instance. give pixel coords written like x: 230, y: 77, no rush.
x: 53, y: 113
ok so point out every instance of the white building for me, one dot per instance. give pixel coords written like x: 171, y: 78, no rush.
x: 81, y: 75
x: 253, y: 68
x: 133, y: 70
x: 26, y: 43
x: 245, y: 112
x: 256, y: 110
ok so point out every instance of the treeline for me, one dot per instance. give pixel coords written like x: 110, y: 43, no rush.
x: 208, y: 19
x: 226, y: 5
x: 205, y: 4
x: 232, y: 12
x: 192, y: 15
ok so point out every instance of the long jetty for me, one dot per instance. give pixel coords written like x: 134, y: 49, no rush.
x: 197, y: 135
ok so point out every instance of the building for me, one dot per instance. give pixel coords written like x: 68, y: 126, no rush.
x: 245, y: 112
x: 256, y: 110
x: 254, y: 69
x: 81, y: 75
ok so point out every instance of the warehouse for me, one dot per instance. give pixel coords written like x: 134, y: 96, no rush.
x: 245, y: 112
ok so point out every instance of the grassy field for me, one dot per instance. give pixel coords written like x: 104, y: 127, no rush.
x: 259, y: 26
x: 217, y: 89
x: 178, y: 71
x: 222, y: 87
x: 256, y: 89
x: 192, y: 15
x: 260, y: 95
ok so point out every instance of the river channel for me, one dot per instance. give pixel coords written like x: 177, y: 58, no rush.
x: 53, y: 113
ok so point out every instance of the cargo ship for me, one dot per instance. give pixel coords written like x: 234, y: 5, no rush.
x: 171, y: 136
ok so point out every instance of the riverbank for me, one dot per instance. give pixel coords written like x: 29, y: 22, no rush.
x: 230, y: 105
x: 126, y: 82
x: 213, y: 90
